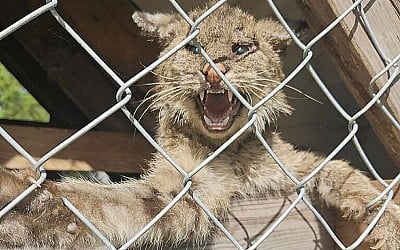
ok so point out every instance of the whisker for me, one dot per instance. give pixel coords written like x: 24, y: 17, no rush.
x: 145, y: 111
x: 157, y: 97
x: 157, y: 83
x: 302, y: 93
x: 268, y: 80
x: 255, y: 88
x: 176, y: 93
x: 166, y: 93
x: 156, y: 100
x: 249, y: 96
x: 142, y: 103
x: 287, y: 86
x: 255, y: 93
x: 152, y: 89
x: 145, y: 96
x: 246, y: 95
x: 147, y: 108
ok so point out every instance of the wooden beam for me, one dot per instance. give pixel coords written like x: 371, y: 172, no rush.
x: 35, y: 79
x: 108, y: 28
x: 112, y: 152
x: 357, y: 60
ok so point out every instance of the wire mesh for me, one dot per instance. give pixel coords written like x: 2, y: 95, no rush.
x: 124, y: 94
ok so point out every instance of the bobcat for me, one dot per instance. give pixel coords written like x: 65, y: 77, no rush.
x: 197, y: 113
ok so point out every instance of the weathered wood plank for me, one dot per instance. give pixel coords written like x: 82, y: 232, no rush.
x: 358, y: 61
x: 112, y: 152
x: 249, y: 219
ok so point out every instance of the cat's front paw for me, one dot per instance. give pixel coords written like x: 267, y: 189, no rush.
x: 386, y: 234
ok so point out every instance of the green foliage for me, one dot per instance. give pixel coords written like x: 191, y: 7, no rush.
x: 16, y: 103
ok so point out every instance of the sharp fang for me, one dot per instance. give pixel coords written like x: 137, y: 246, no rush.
x: 201, y: 96
x: 230, y: 95
x: 225, y: 121
x: 207, y: 120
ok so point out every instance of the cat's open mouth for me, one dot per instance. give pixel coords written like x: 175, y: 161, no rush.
x: 218, y: 109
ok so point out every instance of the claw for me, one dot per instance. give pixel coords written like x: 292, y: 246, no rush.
x: 346, y: 214
x: 32, y: 180
x: 379, y: 244
x: 45, y: 196
x: 72, y: 228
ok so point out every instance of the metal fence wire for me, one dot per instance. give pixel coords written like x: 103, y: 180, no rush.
x: 124, y: 94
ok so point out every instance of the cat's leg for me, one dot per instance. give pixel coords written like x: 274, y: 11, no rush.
x: 12, y: 231
x: 13, y: 183
x: 341, y: 186
x: 40, y: 220
x: 119, y: 211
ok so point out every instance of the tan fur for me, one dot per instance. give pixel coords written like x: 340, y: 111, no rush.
x: 244, y: 169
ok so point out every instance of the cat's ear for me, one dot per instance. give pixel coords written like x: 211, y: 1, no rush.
x: 276, y: 35
x: 161, y: 26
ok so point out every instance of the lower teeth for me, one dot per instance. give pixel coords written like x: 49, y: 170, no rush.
x: 211, y: 123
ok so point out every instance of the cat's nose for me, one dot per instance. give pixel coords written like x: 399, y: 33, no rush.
x: 212, y: 76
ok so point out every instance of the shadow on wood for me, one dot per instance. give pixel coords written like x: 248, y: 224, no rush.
x: 249, y: 219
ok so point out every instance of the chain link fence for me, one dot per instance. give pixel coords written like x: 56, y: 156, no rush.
x: 123, y: 95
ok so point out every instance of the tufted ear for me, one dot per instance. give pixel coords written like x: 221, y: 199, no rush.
x: 161, y: 26
x: 275, y: 34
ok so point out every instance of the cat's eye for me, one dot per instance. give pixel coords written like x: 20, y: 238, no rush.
x: 240, y: 49
x: 192, y: 48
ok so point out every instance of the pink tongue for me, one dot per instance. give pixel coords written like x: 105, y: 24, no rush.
x: 217, y: 106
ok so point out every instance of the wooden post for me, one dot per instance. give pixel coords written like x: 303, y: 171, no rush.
x: 357, y: 60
